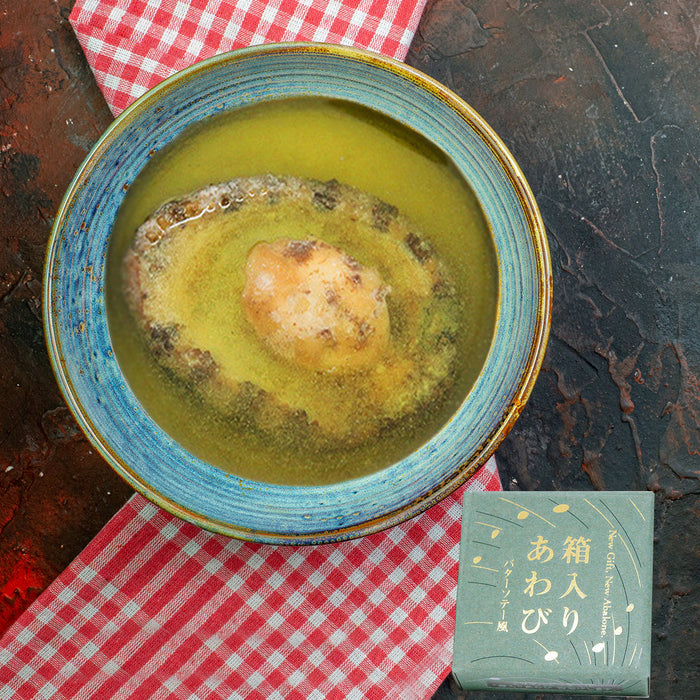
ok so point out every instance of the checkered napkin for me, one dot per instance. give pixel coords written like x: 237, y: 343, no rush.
x: 133, y: 44
x: 155, y: 607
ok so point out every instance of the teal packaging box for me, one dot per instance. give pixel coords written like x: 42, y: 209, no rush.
x: 554, y: 593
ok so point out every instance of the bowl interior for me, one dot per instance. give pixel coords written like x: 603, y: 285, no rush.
x: 148, y: 458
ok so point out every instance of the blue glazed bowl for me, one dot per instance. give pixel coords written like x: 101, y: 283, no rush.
x: 95, y: 389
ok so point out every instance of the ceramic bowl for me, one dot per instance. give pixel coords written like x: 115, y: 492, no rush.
x: 111, y: 416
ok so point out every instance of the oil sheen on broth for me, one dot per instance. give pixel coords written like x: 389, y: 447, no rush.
x: 313, y: 144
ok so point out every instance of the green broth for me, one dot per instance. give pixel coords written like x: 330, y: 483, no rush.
x: 319, y: 139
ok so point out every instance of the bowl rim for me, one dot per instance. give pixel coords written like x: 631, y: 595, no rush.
x: 535, y: 354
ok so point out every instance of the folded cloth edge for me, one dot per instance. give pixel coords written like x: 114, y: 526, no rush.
x: 131, y: 51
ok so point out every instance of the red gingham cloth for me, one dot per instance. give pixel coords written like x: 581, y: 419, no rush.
x: 133, y: 44
x: 155, y: 607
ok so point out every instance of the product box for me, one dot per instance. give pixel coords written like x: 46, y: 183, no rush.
x: 554, y: 593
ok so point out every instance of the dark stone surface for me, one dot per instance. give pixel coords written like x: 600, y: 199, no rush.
x: 600, y: 104
x: 56, y: 492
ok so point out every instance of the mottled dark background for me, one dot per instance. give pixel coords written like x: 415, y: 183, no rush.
x: 600, y: 104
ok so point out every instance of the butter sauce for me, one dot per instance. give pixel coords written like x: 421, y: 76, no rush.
x: 321, y: 139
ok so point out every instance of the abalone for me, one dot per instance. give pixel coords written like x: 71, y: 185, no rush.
x: 296, y: 308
